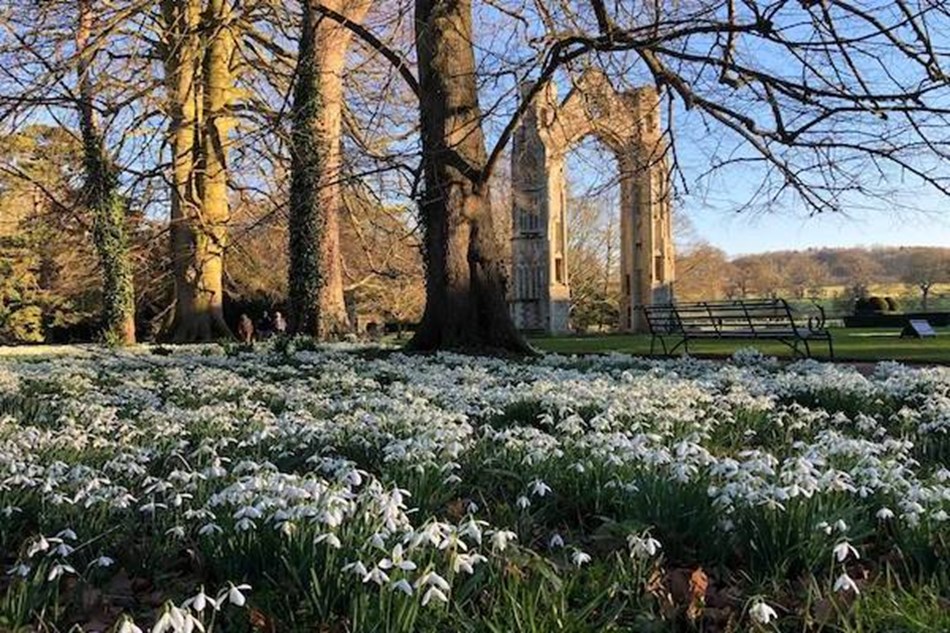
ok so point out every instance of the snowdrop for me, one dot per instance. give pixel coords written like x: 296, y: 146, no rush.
x: 843, y: 550
x: 643, y: 547
x: 580, y: 558
x: 845, y: 583
x: 762, y: 613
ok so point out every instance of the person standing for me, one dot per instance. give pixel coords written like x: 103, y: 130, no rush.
x: 245, y: 329
x: 280, y: 324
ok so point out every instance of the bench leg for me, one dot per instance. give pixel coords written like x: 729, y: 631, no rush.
x: 807, y: 348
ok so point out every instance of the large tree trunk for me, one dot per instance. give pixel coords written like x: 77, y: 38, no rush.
x: 100, y: 193
x: 199, y: 91
x: 466, y: 306
x: 315, y: 281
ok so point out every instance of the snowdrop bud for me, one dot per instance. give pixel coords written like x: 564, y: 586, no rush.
x: 235, y: 596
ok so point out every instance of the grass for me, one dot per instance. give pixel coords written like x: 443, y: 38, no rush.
x: 870, y: 345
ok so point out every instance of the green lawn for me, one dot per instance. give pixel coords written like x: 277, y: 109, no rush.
x: 849, y: 344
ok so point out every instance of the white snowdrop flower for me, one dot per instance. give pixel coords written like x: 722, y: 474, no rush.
x: 432, y: 579
x: 172, y: 620
x: 357, y: 568
x: 472, y: 507
x: 62, y: 550
x: 210, y: 529
x: 58, y: 570
x: 845, y: 583
x: 473, y: 529
x: 825, y: 527
x: 377, y: 576
x: 451, y: 479
x: 402, y: 585
x: 643, y: 548
x: 762, y: 613
x: 843, y: 550
x: 22, y: 570
x: 152, y: 508
x: 245, y: 525
x: 841, y: 526
x: 580, y: 558
x: 378, y: 541
x: 466, y: 562
x: 67, y: 534
x: 200, y: 601
x: 523, y: 502
x: 176, y: 532
x: 434, y: 592
x: 247, y: 512
x: 940, y: 515
x: 885, y: 514
x: 127, y: 625
x: 9, y: 511
x: 501, y: 538
x: 235, y: 596
x: 539, y: 488
x: 453, y: 540
x: 331, y: 539
x: 397, y: 560
x: 37, y: 546
x: 556, y: 542
x: 102, y: 561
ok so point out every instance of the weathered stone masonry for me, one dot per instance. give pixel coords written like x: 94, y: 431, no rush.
x: 628, y: 123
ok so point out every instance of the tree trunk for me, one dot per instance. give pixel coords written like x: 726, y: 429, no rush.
x: 466, y: 305
x: 100, y: 193
x: 925, y: 295
x: 317, y: 306
x: 199, y: 92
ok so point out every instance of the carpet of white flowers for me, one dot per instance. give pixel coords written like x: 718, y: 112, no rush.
x: 362, y: 489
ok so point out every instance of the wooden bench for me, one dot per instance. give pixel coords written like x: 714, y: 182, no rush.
x: 757, y: 319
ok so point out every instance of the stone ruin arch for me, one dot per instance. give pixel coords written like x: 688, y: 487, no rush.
x: 628, y: 123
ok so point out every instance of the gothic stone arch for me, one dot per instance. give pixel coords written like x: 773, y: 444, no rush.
x: 628, y: 123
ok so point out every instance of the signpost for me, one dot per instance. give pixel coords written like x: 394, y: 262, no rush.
x: 918, y: 328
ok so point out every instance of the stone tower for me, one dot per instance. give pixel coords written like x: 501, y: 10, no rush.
x: 629, y: 124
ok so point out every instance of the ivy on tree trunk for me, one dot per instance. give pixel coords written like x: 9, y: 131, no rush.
x: 315, y: 283
x: 100, y: 193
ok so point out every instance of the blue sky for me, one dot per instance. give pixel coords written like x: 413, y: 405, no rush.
x: 740, y: 233
x: 912, y: 215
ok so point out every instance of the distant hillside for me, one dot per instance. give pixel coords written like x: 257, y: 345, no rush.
x: 913, y: 275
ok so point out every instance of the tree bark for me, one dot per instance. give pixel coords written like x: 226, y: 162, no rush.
x: 100, y: 193
x: 199, y: 89
x: 315, y: 283
x: 466, y: 306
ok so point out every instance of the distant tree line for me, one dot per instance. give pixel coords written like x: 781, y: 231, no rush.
x: 841, y: 274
